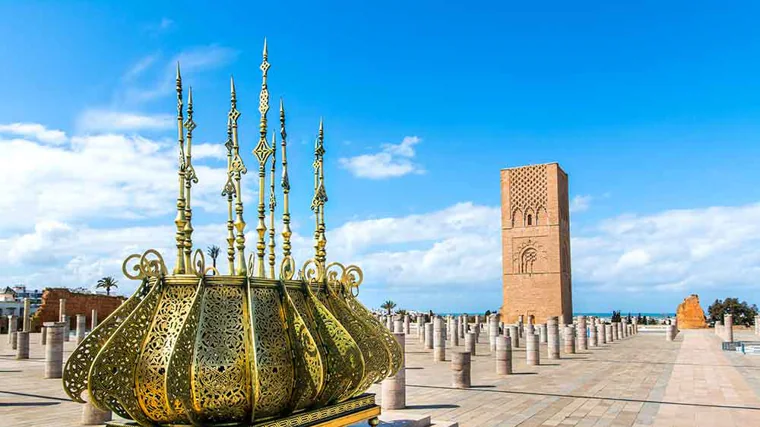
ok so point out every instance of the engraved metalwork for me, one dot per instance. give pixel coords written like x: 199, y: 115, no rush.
x: 247, y: 348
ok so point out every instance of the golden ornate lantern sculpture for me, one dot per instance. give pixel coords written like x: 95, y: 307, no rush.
x: 249, y: 348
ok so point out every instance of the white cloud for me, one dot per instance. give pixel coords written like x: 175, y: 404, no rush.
x: 115, y: 121
x: 392, y: 161
x: 211, y: 151
x: 35, y: 131
x: 97, y: 177
x: 141, y: 66
x: 672, y: 250
x: 580, y: 203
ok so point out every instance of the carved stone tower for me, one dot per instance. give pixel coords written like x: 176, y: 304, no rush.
x: 535, y: 224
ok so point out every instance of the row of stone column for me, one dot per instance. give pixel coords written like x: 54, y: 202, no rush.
x: 53, y: 335
x: 434, y: 335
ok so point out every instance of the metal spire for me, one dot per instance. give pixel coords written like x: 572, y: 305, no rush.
x: 190, y: 179
x: 286, y: 233
x: 229, y: 191
x: 320, y: 197
x: 262, y: 153
x: 272, y: 204
x: 238, y: 169
x: 180, y: 219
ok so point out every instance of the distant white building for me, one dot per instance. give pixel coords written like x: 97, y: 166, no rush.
x: 12, y: 300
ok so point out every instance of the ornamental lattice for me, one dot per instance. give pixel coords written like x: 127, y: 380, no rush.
x: 248, y: 348
x: 527, y: 189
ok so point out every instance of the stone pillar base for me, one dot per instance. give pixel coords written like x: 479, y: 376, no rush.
x: 91, y: 415
x: 22, y: 350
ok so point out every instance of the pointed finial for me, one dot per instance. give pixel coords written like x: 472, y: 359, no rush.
x: 266, y: 52
x: 190, y: 98
x: 179, y: 75
x: 282, y: 107
x: 232, y: 85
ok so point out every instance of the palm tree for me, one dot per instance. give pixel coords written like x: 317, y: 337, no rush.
x: 213, y: 252
x: 107, y: 283
x: 388, y: 305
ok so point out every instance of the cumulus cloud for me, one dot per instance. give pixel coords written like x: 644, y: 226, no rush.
x: 580, y: 203
x: 677, y: 250
x: 116, y: 121
x: 105, y: 176
x: 35, y: 131
x: 392, y: 161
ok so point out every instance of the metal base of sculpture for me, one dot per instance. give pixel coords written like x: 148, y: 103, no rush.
x: 356, y: 410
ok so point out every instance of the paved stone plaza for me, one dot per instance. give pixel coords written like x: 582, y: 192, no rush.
x: 642, y: 380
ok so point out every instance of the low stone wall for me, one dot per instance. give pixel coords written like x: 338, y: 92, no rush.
x: 76, y: 303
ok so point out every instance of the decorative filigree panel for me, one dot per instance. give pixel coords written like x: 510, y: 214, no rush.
x: 307, y: 363
x: 179, y: 371
x: 376, y: 358
x: 112, y: 374
x: 152, y: 364
x: 221, y: 386
x: 527, y: 191
x: 274, y: 365
x: 395, y: 352
x: 77, y: 370
x: 345, y: 364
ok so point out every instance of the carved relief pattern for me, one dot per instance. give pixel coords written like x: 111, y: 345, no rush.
x: 526, y: 255
x: 221, y: 374
x: 150, y: 375
x: 77, y: 369
x: 528, y: 190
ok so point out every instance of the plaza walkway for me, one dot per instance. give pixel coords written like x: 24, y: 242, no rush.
x: 640, y: 381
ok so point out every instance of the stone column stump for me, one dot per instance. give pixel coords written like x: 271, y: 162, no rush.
x: 569, y: 341
x: 460, y: 369
x: 514, y: 336
x: 54, y: 349
x: 91, y: 415
x: 552, y: 333
x: 394, y: 388
x: 439, y: 340
x: 455, y: 332
x: 542, y: 333
x: 428, y: 336
x: 728, y: 328
x: 81, y: 327
x: 503, y: 356
x: 469, y: 343
x: 531, y: 350
x: 582, y: 337
x: 22, y: 349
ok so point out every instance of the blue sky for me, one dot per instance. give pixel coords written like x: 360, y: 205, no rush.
x: 652, y: 109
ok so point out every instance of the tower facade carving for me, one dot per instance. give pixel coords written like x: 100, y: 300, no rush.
x: 535, y: 223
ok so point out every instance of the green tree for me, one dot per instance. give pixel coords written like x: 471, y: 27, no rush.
x: 743, y: 313
x: 401, y: 312
x: 389, y: 306
x: 488, y: 313
x: 107, y: 283
x: 213, y: 252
